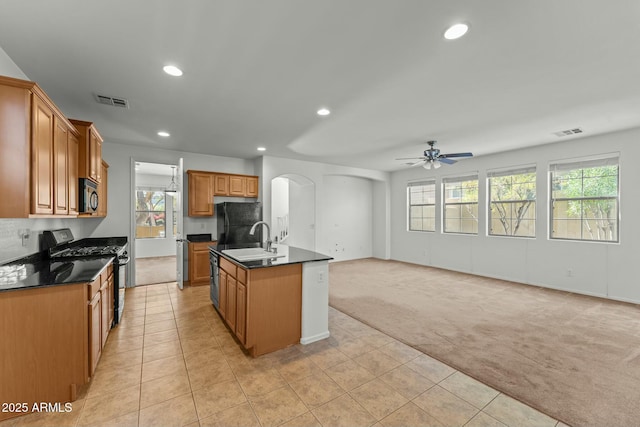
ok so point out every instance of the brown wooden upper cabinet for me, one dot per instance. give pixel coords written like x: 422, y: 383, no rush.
x: 38, y: 154
x: 102, y: 190
x: 203, y: 186
x: 200, y: 193
x: 220, y: 185
x: 252, y: 186
x: 90, y: 151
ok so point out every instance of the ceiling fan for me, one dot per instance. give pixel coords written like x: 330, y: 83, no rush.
x: 432, y: 157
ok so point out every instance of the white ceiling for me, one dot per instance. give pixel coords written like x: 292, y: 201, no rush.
x: 255, y: 72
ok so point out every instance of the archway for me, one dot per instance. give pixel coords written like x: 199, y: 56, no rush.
x: 293, y: 211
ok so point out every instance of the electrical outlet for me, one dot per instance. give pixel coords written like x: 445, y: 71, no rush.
x: 24, y: 234
x: 569, y: 272
x: 321, y: 277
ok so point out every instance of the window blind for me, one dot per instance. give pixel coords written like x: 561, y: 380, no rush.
x: 586, y: 163
x: 421, y: 183
x: 516, y: 171
x: 460, y: 178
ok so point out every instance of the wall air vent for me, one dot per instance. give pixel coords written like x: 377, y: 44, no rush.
x: 568, y: 132
x: 110, y: 100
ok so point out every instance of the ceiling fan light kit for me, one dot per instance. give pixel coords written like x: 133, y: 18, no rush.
x: 432, y: 163
x: 433, y: 158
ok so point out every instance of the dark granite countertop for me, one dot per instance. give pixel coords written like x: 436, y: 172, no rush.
x: 292, y: 255
x: 35, y: 271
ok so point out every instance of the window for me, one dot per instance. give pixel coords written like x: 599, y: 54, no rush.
x: 512, y: 202
x: 460, y: 213
x: 584, y: 200
x: 421, y: 199
x: 150, y: 213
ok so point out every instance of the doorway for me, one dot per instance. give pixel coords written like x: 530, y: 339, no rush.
x: 156, y: 214
x: 293, y: 208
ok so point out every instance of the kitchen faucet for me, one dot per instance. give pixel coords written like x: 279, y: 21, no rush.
x: 268, y: 242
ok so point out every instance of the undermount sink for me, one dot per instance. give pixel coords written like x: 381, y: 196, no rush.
x: 250, y: 254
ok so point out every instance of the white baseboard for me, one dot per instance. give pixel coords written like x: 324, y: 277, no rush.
x: 314, y: 338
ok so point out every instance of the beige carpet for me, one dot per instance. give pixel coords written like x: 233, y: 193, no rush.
x: 150, y: 271
x: 573, y: 357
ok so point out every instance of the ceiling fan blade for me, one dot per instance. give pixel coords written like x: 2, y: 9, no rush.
x: 420, y: 162
x: 410, y: 158
x: 446, y: 161
x: 456, y: 155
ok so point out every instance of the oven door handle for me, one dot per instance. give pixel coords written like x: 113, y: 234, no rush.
x: 123, y: 260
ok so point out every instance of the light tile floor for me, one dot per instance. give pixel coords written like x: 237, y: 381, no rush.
x: 172, y: 362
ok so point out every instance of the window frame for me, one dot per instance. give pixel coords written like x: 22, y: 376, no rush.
x: 454, y: 180
x: 424, y: 183
x: 148, y: 188
x: 511, y: 172
x: 577, y: 164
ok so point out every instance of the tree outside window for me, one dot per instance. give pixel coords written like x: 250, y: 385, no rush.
x: 150, y: 213
x: 512, y: 202
x: 421, y: 200
x: 460, y: 213
x: 585, y: 200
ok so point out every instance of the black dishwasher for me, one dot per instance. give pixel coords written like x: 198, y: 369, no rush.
x: 215, y: 285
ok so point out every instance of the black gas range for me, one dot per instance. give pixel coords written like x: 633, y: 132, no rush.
x: 60, y: 245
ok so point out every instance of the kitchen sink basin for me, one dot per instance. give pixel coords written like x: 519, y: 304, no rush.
x: 251, y: 254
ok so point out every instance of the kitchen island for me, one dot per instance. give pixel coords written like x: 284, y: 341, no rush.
x: 273, y: 302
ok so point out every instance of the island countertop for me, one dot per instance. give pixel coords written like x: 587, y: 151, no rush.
x: 292, y: 255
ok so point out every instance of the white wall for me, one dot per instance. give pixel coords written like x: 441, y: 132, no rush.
x: 381, y: 232
x: 347, y: 221
x: 9, y: 68
x: 302, y: 214
x: 272, y: 167
x: 602, y: 269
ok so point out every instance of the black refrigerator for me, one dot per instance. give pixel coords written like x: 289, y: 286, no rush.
x: 234, y: 220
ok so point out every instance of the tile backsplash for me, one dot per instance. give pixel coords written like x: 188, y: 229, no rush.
x: 11, y: 246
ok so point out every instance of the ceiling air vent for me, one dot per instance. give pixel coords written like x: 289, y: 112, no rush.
x: 568, y: 132
x: 110, y: 100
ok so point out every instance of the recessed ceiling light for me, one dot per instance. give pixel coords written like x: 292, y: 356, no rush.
x: 456, y: 31
x: 323, y: 112
x: 172, y: 70
x: 262, y: 149
x: 164, y: 133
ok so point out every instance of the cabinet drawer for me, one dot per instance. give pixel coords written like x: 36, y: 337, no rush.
x: 228, y: 266
x: 201, y: 246
x: 94, y: 287
x: 242, y: 275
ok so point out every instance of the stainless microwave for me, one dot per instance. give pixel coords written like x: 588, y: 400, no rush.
x: 88, y: 191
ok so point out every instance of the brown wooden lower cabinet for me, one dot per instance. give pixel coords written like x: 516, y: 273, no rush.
x: 100, y: 313
x: 95, y: 329
x: 241, y: 312
x: 261, y: 306
x: 43, y: 349
x: 52, y: 339
x: 199, y: 269
x: 222, y: 307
